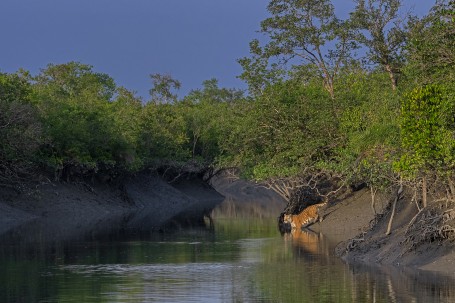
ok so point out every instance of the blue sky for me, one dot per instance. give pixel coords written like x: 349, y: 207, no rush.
x: 193, y: 40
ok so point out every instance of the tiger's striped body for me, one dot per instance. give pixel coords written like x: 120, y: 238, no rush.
x: 308, y: 216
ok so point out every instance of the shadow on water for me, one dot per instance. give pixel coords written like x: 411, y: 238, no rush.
x: 243, y: 258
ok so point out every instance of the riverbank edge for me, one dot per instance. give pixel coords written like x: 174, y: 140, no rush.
x: 361, y: 237
x: 67, y: 210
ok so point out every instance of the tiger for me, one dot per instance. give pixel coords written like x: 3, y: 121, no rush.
x: 307, y: 217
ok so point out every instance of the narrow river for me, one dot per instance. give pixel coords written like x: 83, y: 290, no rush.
x: 238, y: 260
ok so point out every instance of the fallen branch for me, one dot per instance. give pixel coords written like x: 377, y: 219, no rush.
x: 413, y: 219
x: 445, y: 230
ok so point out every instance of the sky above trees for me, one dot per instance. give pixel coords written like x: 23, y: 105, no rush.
x: 191, y: 40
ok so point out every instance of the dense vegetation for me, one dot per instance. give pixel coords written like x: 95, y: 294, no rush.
x: 366, y: 100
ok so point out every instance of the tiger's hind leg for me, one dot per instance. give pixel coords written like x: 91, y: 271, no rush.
x: 309, y: 223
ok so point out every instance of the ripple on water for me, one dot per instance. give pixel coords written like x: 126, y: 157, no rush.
x: 189, y: 282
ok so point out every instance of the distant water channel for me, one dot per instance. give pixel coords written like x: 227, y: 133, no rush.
x: 238, y: 260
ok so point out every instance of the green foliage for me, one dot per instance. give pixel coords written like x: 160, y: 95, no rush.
x: 161, y: 92
x: 74, y: 79
x: 20, y: 130
x: 90, y: 126
x: 189, y: 130
x: 427, y: 128
x: 163, y: 134
x: 206, y: 113
x: 125, y: 116
x: 77, y: 111
x: 280, y: 133
x: 258, y: 72
x: 371, y: 112
x: 369, y: 125
x: 430, y: 49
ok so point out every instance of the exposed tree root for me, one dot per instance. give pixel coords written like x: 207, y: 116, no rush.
x: 430, y: 225
x: 375, y: 221
x: 352, y: 244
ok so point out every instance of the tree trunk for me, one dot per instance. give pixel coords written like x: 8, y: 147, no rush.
x: 392, y: 76
x: 452, y: 189
x: 195, y: 139
x: 331, y: 91
x: 389, y: 226
x: 424, y: 192
x: 373, y: 194
x: 398, y: 196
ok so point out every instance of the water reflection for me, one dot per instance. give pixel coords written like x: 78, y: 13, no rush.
x: 394, y: 284
x: 309, y: 243
x: 241, y: 260
x: 164, y: 282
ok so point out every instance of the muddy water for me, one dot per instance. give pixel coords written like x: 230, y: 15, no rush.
x: 238, y: 260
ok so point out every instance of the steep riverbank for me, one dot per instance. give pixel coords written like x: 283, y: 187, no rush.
x: 68, y: 210
x: 362, y: 238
